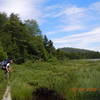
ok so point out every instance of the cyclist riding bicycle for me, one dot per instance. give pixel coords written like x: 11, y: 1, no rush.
x: 5, y: 65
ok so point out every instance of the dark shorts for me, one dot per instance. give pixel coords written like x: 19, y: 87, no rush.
x: 3, y: 68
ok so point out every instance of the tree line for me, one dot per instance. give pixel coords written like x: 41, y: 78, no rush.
x: 74, y: 53
x: 23, y: 40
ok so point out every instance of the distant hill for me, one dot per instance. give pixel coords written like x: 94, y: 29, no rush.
x: 75, y: 53
x: 76, y: 50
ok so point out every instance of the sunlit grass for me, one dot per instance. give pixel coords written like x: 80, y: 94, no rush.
x: 58, y: 76
x: 3, y: 84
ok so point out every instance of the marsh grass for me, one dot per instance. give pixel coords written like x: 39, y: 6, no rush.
x: 3, y: 84
x: 58, y: 76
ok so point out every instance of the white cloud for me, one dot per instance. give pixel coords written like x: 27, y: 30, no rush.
x: 82, y: 40
x: 25, y: 8
x: 73, y: 10
x: 95, y: 6
x: 70, y: 28
x: 74, y: 17
x: 65, y: 29
x: 70, y: 18
x: 67, y: 12
x: 70, y: 10
x: 48, y: 8
x: 91, y: 34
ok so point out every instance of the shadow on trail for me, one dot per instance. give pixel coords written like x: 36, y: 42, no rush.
x: 46, y: 94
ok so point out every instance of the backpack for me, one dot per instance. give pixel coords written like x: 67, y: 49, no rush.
x: 4, y: 63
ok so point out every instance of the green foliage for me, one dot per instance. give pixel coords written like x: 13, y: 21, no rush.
x: 3, y: 84
x: 32, y: 27
x: 60, y: 77
x: 3, y: 55
x: 23, y: 41
x: 61, y: 55
x: 3, y: 19
x: 49, y: 47
x: 74, y: 53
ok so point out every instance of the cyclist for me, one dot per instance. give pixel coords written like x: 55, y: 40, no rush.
x: 5, y: 65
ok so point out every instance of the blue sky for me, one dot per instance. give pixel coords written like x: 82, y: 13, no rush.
x: 68, y: 23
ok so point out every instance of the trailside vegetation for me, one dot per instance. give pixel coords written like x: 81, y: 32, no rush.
x: 72, y: 80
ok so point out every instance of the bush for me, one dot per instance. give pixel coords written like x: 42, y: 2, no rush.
x: 3, y: 54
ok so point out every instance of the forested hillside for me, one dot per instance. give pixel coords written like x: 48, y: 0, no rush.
x: 75, y: 53
x: 23, y: 40
x: 69, y: 49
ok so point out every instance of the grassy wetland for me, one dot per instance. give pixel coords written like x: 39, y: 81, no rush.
x: 67, y: 80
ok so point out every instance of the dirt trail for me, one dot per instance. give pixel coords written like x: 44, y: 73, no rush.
x: 7, y: 95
